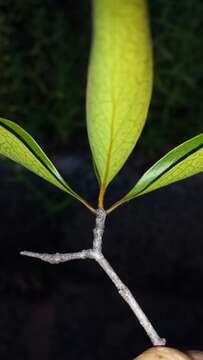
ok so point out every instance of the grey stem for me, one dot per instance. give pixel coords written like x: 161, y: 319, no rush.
x: 96, y: 254
x: 130, y: 300
x: 58, y: 258
x: 99, y: 230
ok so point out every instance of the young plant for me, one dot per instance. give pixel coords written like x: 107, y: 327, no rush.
x: 120, y: 78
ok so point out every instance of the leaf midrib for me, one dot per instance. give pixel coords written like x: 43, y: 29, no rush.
x: 108, y: 159
x: 113, y: 116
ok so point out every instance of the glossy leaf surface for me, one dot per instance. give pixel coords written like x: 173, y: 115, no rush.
x: 181, y: 162
x: 17, y: 145
x: 119, y: 82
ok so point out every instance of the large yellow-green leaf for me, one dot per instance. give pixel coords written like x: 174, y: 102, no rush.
x: 183, y: 161
x: 119, y: 82
x: 17, y: 145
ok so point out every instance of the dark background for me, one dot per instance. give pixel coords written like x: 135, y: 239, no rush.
x: 72, y: 311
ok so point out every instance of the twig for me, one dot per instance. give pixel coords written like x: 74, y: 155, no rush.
x: 96, y: 254
x: 58, y: 258
x: 130, y: 300
x: 99, y: 230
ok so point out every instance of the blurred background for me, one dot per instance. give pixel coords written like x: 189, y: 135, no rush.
x: 72, y: 310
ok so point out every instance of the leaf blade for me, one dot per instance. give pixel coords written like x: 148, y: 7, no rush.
x: 181, y: 162
x: 119, y: 82
x: 19, y: 146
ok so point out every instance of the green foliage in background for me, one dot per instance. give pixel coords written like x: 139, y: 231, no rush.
x: 44, y: 50
x: 42, y: 67
x: 177, y: 109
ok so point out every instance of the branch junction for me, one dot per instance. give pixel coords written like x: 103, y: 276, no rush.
x: 96, y: 254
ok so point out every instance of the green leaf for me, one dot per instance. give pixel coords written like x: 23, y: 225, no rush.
x: 183, y: 161
x: 17, y: 145
x: 119, y: 82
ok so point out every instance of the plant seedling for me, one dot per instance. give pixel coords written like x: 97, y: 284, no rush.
x: 120, y: 78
